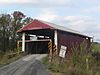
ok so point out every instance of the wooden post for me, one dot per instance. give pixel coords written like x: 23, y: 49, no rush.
x: 56, y: 41
x: 23, y: 42
x: 50, y: 50
x: 18, y: 47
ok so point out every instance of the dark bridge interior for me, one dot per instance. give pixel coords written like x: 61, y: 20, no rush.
x: 37, y: 47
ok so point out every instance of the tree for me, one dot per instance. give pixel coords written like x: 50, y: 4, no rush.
x: 15, y: 26
x: 27, y: 20
x: 5, y: 20
x: 9, y: 25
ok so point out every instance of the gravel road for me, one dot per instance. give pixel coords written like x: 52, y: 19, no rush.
x: 28, y: 65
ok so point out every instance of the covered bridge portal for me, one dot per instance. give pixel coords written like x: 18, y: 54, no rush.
x: 37, y: 35
x: 37, y: 41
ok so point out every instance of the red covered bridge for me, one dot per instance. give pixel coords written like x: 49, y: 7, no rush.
x: 37, y: 34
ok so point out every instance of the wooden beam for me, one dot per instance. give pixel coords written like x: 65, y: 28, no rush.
x: 56, y: 41
x: 55, y: 38
x: 23, y: 42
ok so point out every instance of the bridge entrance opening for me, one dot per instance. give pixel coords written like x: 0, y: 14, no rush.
x: 37, y: 47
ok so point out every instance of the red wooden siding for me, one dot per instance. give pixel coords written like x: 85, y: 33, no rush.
x: 71, y: 40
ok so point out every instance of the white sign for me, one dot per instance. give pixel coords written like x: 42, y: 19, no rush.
x: 62, y: 51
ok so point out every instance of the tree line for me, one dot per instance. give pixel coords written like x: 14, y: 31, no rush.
x: 9, y: 25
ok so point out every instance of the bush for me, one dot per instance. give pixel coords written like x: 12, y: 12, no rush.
x: 81, y: 62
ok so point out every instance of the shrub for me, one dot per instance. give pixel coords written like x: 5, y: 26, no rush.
x: 81, y: 62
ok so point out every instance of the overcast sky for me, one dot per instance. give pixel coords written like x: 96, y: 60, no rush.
x: 80, y: 15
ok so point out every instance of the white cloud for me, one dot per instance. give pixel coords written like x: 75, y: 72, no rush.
x: 81, y: 23
x: 13, y: 1
x: 92, y: 9
x: 47, y: 15
x: 37, y: 2
x: 98, y: 27
x: 76, y: 18
x: 92, y: 1
x: 59, y: 2
x: 91, y: 6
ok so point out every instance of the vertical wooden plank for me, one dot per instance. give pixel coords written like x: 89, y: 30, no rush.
x: 56, y: 41
x: 23, y: 42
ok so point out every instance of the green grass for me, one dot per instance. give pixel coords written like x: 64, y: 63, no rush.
x: 8, y: 58
x: 95, y: 47
x: 67, y: 68
x: 56, y: 67
x: 77, y: 64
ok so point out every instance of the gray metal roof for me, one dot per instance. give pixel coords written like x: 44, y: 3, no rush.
x: 62, y: 28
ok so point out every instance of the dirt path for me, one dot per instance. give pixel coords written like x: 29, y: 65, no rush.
x: 28, y: 65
